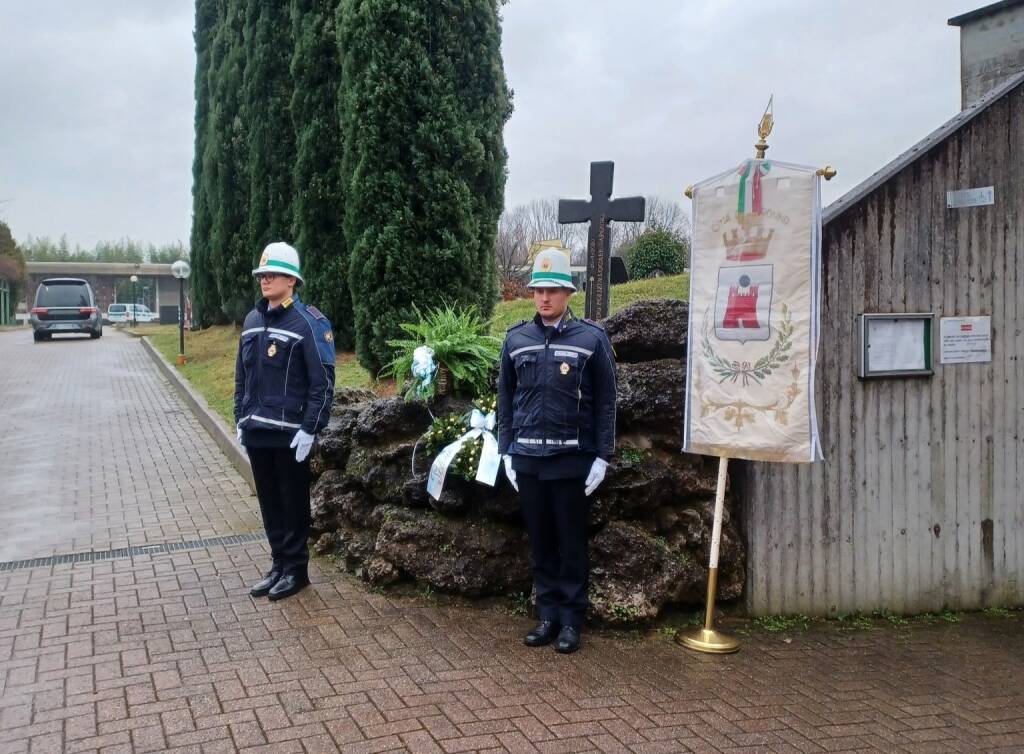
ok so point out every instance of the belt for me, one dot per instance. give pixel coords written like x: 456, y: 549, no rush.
x: 545, y: 441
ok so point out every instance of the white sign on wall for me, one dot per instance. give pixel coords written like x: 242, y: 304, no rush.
x: 975, y: 197
x: 965, y: 340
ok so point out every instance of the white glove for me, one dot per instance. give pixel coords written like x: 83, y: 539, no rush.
x: 596, y: 475
x: 238, y: 434
x: 303, y: 443
x: 510, y: 473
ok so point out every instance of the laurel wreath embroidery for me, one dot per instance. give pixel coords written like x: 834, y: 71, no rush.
x: 727, y: 369
x: 739, y: 411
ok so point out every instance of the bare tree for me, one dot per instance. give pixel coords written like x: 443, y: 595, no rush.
x: 544, y: 226
x: 511, y: 244
x: 665, y: 214
x: 526, y: 224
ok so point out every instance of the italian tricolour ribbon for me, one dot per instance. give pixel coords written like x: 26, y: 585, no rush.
x: 481, y: 425
x: 750, y: 196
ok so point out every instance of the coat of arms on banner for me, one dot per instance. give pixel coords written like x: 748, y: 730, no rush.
x: 754, y: 296
x: 744, y: 302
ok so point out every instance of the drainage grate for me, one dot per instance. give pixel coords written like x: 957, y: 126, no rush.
x: 128, y: 552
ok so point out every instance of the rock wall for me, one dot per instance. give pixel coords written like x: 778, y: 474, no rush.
x: 650, y: 519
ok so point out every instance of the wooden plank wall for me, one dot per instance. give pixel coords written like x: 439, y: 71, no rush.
x: 918, y: 505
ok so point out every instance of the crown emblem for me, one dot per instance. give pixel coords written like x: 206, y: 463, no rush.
x: 545, y: 265
x: 747, y: 244
x: 264, y: 258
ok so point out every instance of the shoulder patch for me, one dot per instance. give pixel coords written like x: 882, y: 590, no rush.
x: 520, y: 323
x: 596, y: 324
x: 320, y: 328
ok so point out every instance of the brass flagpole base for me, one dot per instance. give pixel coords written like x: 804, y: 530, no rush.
x: 708, y: 640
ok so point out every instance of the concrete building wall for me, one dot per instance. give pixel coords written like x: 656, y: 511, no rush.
x: 919, y: 504
x: 991, y: 50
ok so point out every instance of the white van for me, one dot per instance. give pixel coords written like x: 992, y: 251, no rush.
x: 122, y: 313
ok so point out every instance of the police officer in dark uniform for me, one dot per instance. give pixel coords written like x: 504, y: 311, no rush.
x: 284, y: 386
x: 556, y: 433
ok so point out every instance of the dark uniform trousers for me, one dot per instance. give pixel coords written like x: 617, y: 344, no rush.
x: 557, y: 515
x: 282, y: 486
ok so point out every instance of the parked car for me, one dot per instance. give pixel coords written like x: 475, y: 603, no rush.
x: 65, y: 305
x: 116, y: 313
x: 122, y: 313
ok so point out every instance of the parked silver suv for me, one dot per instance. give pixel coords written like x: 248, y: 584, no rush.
x: 65, y: 305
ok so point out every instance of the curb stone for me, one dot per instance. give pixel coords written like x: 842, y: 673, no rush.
x: 211, y: 422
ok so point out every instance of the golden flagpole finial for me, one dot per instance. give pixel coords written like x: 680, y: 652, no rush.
x: 764, y: 128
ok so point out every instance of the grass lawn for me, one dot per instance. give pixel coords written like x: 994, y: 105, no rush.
x: 211, y: 364
x: 507, y: 313
x: 211, y: 352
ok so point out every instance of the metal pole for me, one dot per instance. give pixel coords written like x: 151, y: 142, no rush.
x: 707, y: 639
x: 181, y: 320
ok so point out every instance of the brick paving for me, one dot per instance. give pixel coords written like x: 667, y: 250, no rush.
x: 97, y: 452
x: 167, y: 652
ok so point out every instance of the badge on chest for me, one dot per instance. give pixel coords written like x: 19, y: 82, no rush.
x: 272, y: 351
x: 567, y: 357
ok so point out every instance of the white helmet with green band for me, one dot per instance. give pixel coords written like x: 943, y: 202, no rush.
x: 551, y: 270
x: 281, y: 258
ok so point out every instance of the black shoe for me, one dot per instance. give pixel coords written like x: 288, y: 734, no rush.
x: 568, y: 641
x: 288, y: 585
x: 262, y: 588
x: 543, y: 633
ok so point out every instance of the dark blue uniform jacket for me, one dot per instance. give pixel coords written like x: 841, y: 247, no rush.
x: 556, y: 390
x: 284, y: 373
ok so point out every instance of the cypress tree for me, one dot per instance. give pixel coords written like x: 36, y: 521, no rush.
x: 319, y: 203
x: 230, y: 256
x: 271, y: 135
x: 424, y: 103
x: 202, y: 283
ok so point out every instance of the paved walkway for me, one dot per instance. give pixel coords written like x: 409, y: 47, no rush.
x: 166, y: 652
x: 97, y: 453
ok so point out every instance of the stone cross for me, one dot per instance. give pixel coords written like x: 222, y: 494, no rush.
x: 599, y: 211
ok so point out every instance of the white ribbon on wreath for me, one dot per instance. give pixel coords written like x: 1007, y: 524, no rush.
x: 481, y: 425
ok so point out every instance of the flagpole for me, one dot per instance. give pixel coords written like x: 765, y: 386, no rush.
x: 707, y: 639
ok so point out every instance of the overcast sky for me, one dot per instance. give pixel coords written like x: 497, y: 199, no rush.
x: 97, y: 99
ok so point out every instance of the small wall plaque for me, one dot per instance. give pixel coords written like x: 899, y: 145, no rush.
x: 975, y: 197
x: 965, y: 340
x: 895, y: 345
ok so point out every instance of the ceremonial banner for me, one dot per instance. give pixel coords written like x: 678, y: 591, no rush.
x: 755, y: 290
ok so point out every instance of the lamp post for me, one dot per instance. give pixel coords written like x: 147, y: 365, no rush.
x: 181, y: 270
x: 135, y: 316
